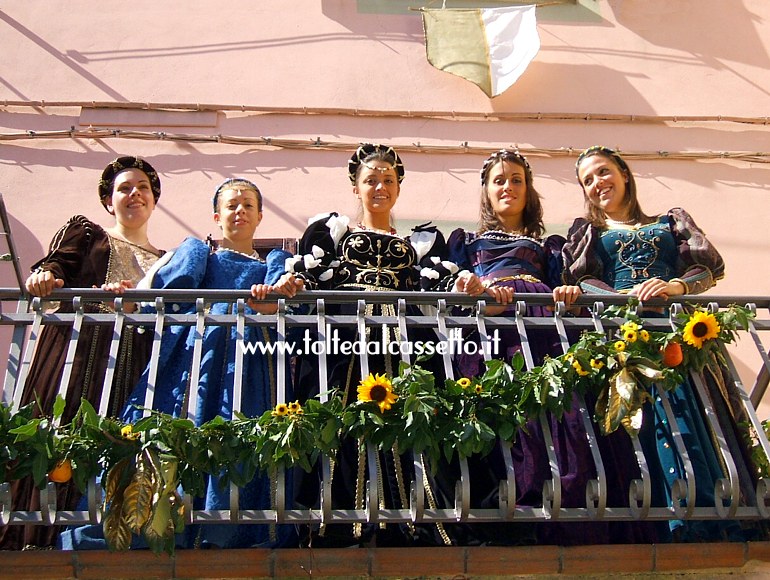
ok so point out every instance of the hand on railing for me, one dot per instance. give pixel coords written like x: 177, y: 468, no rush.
x: 566, y: 294
x: 42, y: 283
x: 288, y: 285
x: 119, y: 288
x: 657, y: 288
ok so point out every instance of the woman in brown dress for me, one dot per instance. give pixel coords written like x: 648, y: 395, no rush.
x: 82, y: 254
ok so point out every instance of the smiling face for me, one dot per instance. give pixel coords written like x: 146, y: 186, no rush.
x: 238, y: 214
x: 377, y: 187
x: 132, y: 201
x: 604, y: 185
x: 507, y: 190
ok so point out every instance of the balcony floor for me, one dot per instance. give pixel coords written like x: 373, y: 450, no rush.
x: 717, y: 560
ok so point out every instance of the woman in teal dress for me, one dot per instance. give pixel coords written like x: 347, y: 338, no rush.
x: 617, y: 248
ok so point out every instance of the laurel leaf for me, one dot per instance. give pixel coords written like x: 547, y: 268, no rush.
x: 137, y: 505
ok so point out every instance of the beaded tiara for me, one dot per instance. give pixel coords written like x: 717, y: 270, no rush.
x: 504, y: 154
x: 367, y: 149
x: 235, y: 183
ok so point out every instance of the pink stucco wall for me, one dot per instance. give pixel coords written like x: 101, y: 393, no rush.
x: 630, y: 58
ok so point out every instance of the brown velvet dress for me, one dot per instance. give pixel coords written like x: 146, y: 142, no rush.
x: 84, y: 255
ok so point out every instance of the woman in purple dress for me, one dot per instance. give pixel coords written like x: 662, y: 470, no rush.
x: 510, y: 255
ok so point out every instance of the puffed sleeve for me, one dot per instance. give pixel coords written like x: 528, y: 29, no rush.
x: 554, y: 262
x: 180, y: 268
x: 582, y: 266
x: 184, y: 268
x: 276, y: 265
x: 317, y: 257
x: 435, y: 270
x: 699, y: 264
x: 68, y: 250
x: 458, y: 249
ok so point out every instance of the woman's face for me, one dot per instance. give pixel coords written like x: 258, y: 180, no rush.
x: 238, y: 214
x: 132, y: 201
x: 507, y: 189
x: 604, y: 184
x: 377, y: 187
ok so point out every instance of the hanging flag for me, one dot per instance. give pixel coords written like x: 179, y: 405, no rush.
x: 490, y: 47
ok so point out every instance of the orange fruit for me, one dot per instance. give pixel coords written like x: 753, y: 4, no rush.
x: 672, y: 354
x: 62, y: 472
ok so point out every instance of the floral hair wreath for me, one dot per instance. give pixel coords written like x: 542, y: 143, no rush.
x: 231, y: 182
x: 367, y: 149
x: 504, y: 154
x: 612, y: 153
x: 121, y: 164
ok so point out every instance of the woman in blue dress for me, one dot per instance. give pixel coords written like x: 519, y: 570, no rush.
x: 233, y: 265
x: 510, y: 255
x: 617, y: 248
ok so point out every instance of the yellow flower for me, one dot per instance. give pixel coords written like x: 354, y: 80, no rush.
x: 479, y: 388
x: 280, y: 410
x: 644, y: 335
x: 579, y: 368
x: 701, y: 327
x: 596, y: 364
x: 464, y: 383
x: 127, y: 432
x: 295, y: 407
x: 629, y: 336
x: 629, y: 325
x: 377, y: 388
x: 620, y: 346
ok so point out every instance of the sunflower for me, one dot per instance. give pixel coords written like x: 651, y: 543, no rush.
x: 701, y: 327
x: 377, y: 388
x: 644, y: 335
x: 464, y: 383
x: 619, y: 345
x: 479, y: 388
x: 596, y: 364
x: 629, y: 325
x: 629, y: 336
x: 127, y: 432
x: 295, y: 407
x: 579, y: 368
x: 280, y: 410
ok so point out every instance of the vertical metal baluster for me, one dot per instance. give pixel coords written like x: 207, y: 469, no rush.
x: 463, y: 486
x: 416, y: 487
x: 552, y: 487
x: 280, y: 336
x: 240, y: 327
x: 157, y: 335
x: 507, y: 494
x: 640, y: 490
x: 112, y: 358
x: 326, y: 464
x: 760, y: 385
x: 37, y: 307
x: 195, y: 366
x: 12, y: 382
x: 596, y: 490
x: 69, y: 359
x: 763, y: 485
